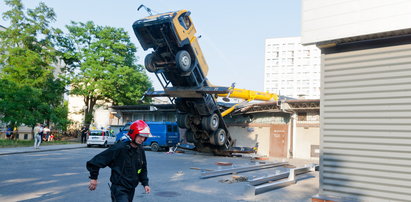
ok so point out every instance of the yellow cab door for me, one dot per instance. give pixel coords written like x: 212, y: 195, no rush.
x: 186, y: 31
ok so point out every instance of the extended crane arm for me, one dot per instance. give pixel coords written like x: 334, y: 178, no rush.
x: 247, y: 95
x: 250, y: 95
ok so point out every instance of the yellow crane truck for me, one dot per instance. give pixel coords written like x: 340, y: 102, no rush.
x: 178, y: 62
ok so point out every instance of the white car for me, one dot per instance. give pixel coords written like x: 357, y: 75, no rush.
x: 101, y: 138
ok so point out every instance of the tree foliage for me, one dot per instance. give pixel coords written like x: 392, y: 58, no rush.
x: 20, y: 104
x: 101, y: 65
x: 30, y: 92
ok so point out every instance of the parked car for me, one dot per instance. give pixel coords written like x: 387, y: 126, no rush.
x: 164, y: 135
x: 101, y: 138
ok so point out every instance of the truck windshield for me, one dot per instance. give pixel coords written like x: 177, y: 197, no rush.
x: 126, y: 127
x: 184, y: 20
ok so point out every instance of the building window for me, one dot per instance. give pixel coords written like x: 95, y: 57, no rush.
x: 302, y: 116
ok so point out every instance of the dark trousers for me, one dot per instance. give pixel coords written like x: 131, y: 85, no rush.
x: 83, y: 138
x: 121, y: 194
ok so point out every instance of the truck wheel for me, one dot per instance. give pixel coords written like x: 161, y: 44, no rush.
x: 183, y: 121
x: 183, y: 60
x: 149, y: 63
x: 155, y: 147
x: 190, y: 136
x: 181, y: 105
x: 219, y: 137
x: 211, y: 122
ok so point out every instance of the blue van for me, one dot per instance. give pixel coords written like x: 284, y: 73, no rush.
x: 164, y: 135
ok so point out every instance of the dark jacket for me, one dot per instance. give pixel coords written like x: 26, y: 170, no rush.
x: 128, y: 165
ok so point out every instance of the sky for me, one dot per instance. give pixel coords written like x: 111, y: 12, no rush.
x: 233, y: 32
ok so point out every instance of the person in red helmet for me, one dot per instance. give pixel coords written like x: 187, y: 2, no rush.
x: 128, y: 164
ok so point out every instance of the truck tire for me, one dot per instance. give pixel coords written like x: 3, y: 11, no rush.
x: 183, y: 60
x: 149, y: 63
x: 155, y: 147
x: 219, y: 137
x: 211, y: 122
x: 183, y: 121
x: 190, y: 136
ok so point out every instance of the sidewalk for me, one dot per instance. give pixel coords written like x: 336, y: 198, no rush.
x: 20, y: 150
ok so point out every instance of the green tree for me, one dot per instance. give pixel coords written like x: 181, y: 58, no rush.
x: 59, y: 117
x: 19, y: 104
x: 101, y: 65
x: 32, y: 93
x: 26, y: 47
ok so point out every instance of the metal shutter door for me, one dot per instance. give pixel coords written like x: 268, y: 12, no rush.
x: 366, y: 124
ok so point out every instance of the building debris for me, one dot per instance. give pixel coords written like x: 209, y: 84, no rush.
x: 235, y: 179
x: 240, y: 169
x: 224, y: 163
x: 264, y: 184
x: 202, y: 169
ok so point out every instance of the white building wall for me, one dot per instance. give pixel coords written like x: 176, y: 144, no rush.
x: 248, y: 137
x: 325, y: 20
x: 76, y: 113
x: 75, y: 108
x: 306, y: 137
x: 292, y: 69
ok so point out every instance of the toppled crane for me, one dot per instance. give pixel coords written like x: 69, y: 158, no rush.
x: 179, y: 64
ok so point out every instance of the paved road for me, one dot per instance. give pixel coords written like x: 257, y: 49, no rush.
x: 61, y: 176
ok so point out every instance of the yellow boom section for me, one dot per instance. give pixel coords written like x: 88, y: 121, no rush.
x: 247, y: 95
x: 250, y: 95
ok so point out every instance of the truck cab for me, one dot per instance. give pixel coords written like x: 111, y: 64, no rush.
x: 176, y: 51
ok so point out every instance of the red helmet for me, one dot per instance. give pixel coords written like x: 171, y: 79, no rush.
x: 139, y: 127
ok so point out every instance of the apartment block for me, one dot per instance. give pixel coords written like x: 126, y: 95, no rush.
x: 291, y: 69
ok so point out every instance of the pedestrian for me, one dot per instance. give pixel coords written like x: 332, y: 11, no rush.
x: 110, y: 130
x: 14, y: 134
x: 51, y: 137
x: 41, y: 132
x: 37, y: 136
x: 84, y: 132
x: 9, y: 132
x: 46, y: 133
x: 128, y: 164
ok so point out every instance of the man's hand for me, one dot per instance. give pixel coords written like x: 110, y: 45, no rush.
x: 93, y: 185
x: 147, y: 189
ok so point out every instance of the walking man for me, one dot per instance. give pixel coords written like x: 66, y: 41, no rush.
x: 37, y: 136
x: 128, y: 164
x: 84, y: 132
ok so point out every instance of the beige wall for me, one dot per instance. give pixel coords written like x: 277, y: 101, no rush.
x: 305, y: 137
x: 22, y: 130
x: 76, y: 107
x: 248, y: 136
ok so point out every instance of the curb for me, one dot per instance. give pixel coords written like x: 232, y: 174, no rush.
x: 44, y: 150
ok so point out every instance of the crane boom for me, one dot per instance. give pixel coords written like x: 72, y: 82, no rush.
x: 250, y: 95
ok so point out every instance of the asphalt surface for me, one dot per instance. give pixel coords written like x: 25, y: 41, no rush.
x: 58, y: 173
